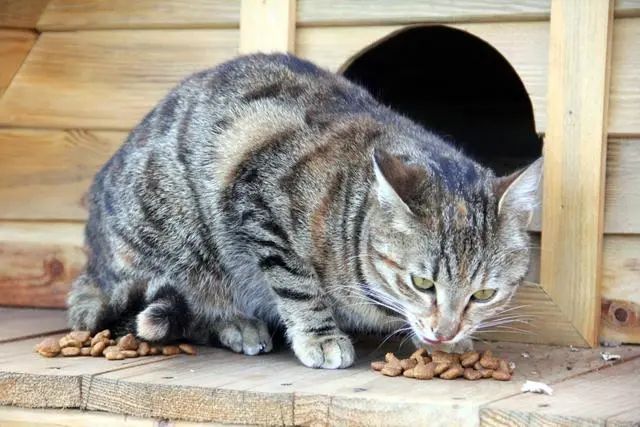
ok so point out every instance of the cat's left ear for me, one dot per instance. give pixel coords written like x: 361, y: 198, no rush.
x: 518, y: 192
x: 395, y: 185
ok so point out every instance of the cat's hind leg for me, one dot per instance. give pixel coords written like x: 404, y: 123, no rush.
x: 88, y: 304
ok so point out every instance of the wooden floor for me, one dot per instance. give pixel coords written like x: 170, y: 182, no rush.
x: 225, y: 388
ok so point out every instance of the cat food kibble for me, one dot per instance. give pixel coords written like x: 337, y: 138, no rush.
x: 102, y: 344
x: 471, y: 366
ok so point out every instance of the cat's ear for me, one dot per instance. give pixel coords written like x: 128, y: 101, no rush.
x: 518, y: 192
x: 395, y: 185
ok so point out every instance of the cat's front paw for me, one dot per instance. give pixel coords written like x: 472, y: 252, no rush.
x: 328, y: 352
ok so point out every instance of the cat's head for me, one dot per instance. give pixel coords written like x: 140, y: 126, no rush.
x: 447, y: 241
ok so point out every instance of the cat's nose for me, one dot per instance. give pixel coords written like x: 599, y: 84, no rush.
x: 443, y: 338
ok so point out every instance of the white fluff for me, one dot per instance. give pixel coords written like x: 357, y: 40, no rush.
x: 536, y: 387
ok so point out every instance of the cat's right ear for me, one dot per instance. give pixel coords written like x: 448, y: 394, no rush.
x: 395, y: 184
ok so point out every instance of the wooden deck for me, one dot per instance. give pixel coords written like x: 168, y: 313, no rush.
x: 221, y: 387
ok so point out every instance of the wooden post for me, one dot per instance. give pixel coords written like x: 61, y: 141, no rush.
x: 267, y: 26
x: 574, y: 165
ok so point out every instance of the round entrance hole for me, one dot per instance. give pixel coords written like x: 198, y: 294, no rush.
x: 457, y: 85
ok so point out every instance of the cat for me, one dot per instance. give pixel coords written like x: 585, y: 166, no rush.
x: 267, y: 192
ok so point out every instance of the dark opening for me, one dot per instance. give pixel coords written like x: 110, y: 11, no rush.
x: 458, y: 86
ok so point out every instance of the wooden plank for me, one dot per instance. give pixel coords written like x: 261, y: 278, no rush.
x: 210, y: 385
x: 14, y: 47
x: 24, y: 323
x: 624, y: 109
x: 267, y: 26
x: 46, y: 173
x: 38, y: 261
x: 20, y: 417
x: 335, y: 47
x: 375, y: 12
x: 107, y: 79
x: 573, y: 187
x: 608, y: 393
x: 630, y: 418
x: 620, y: 316
x: 65, y: 15
x: 21, y: 13
x: 32, y: 381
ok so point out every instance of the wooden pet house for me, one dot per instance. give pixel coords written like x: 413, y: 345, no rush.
x: 506, y: 81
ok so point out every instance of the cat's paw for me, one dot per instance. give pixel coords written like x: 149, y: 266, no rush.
x: 328, y: 352
x: 248, y: 336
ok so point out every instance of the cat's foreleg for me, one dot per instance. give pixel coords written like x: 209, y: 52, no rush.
x: 315, y: 337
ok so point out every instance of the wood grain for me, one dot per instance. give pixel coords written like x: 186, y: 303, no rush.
x: 107, y: 79
x: 374, y: 12
x: 624, y: 98
x: 575, y: 157
x: 267, y: 26
x: 14, y: 47
x: 65, y: 15
x: 21, y: 13
x: 38, y: 261
x: 21, y: 323
x: 589, y: 399
x: 47, y: 173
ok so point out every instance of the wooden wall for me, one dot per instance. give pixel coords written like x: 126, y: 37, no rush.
x: 76, y: 76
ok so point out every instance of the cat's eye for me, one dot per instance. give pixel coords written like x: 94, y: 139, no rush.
x: 422, y: 283
x: 484, y: 294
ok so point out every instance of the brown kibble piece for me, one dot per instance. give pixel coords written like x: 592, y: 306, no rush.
x: 424, y: 371
x: 170, y: 350
x: 455, y: 371
x: 477, y: 366
x: 48, y: 347
x: 469, y: 358
x: 144, y: 349
x: 70, y: 351
x: 67, y: 341
x: 83, y: 336
x: 98, y: 348
x: 377, y: 365
x: 441, y: 367
x: 486, y: 373
x: 503, y: 366
x: 442, y: 357
x: 128, y: 342
x: 408, y: 373
x: 488, y: 361
x: 102, y: 335
x: 155, y: 350
x: 129, y: 353
x: 187, y: 349
x: 501, y: 375
x: 409, y: 363
x: 421, y: 352
x: 111, y: 349
x: 392, y: 360
x: 114, y: 355
x: 471, y: 374
x: 85, y: 351
x: 391, y: 371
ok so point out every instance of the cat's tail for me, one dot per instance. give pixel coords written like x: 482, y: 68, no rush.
x: 87, y: 304
x: 167, y: 317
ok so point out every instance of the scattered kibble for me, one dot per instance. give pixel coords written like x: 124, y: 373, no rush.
x: 102, y: 344
x: 471, y: 366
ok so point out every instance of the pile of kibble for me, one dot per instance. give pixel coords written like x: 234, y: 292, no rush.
x: 81, y: 343
x: 424, y: 366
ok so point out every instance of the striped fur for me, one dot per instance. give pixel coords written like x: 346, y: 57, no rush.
x: 267, y: 192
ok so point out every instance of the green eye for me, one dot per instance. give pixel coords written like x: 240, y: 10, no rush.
x: 484, y: 294
x: 422, y: 283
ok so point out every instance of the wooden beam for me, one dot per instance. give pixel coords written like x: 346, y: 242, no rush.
x: 21, y: 13
x: 267, y: 26
x: 66, y: 15
x: 14, y: 48
x: 575, y: 153
x: 38, y: 262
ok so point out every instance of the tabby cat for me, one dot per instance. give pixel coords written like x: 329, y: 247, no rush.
x: 267, y: 192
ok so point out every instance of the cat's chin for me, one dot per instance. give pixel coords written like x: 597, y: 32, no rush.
x: 460, y: 346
